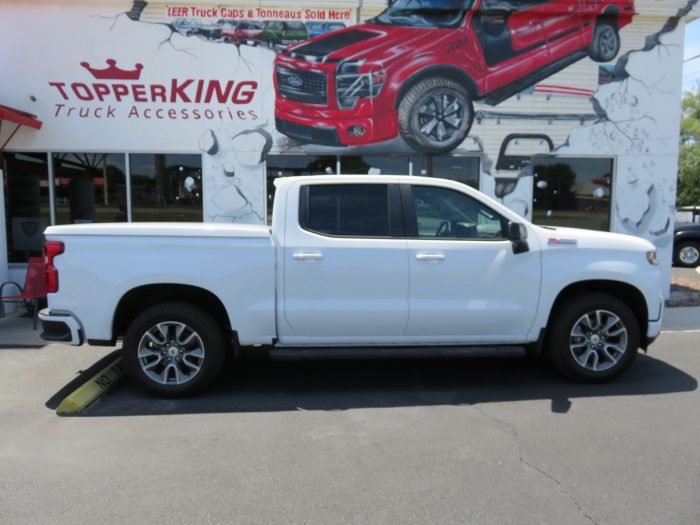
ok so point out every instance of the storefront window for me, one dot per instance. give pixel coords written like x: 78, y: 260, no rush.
x: 27, y: 210
x: 166, y: 188
x: 89, y: 187
x: 460, y: 169
x: 419, y: 166
x: 572, y: 192
x: 374, y: 165
x: 295, y: 165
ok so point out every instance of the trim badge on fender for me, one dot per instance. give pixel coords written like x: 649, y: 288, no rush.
x: 562, y: 242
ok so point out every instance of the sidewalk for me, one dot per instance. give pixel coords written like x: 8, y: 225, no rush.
x: 17, y: 331
x: 682, y: 318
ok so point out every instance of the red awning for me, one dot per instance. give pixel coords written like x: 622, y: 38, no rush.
x: 20, y: 118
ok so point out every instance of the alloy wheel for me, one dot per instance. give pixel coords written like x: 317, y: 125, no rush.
x: 171, y: 353
x: 607, y: 43
x: 441, y: 115
x: 598, y: 340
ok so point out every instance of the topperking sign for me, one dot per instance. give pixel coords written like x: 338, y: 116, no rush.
x: 145, y: 78
x: 120, y: 93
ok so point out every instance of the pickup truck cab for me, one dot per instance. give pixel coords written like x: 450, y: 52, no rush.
x: 416, y: 69
x: 353, y: 265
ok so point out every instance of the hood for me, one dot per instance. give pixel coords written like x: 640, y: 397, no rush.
x: 687, y: 227
x: 371, y: 42
x: 562, y: 238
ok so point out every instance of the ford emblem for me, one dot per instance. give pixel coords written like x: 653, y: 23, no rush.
x: 295, y: 81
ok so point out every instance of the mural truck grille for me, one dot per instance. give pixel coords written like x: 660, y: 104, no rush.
x: 302, y: 86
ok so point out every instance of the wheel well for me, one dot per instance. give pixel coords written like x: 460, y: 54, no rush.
x: 450, y: 72
x: 627, y: 293
x: 610, y: 14
x: 137, y: 300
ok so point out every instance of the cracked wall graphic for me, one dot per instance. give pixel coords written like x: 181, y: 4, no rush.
x: 638, y: 123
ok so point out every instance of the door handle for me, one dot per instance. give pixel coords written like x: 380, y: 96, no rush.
x: 430, y: 257
x: 571, y: 8
x: 307, y: 255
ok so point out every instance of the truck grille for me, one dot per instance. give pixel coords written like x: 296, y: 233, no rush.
x: 302, y: 86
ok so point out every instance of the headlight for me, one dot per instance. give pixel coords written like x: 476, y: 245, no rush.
x: 351, y: 86
x: 651, y: 258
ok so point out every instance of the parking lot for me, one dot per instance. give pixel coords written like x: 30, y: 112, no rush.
x: 439, y: 441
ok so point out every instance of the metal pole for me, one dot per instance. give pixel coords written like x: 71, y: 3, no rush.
x: 52, y: 188
x: 4, y: 271
x: 127, y: 171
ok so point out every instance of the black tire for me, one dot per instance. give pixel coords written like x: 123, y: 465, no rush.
x: 605, y: 44
x: 687, y: 254
x: 415, y: 126
x: 562, y: 339
x: 197, y: 320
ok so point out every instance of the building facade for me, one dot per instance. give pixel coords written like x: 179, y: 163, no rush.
x: 567, y: 111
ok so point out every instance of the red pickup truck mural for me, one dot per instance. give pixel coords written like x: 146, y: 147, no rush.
x: 416, y: 69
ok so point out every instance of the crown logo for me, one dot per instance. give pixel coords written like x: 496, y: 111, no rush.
x: 113, y: 72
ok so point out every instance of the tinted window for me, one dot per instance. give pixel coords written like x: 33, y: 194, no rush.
x: 443, y: 213
x: 166, y: 188
x: 357, y: 210
x: 573, y: 192
x: 374, y: 165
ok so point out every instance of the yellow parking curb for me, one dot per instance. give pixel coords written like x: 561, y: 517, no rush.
x: 88, y: 392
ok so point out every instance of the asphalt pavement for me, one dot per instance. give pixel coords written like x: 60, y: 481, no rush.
x: 417, y: 441
x: 687, y: 273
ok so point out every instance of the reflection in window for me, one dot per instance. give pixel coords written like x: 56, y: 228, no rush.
x: 27, y: 207
x: 359, y: 210
x: 292, y: 166
x: 443, y: 213
x: 166, y: 188
x: 460, y: 169
x: 572, y: 192
x: 89, y: 187
x: 374, y: 165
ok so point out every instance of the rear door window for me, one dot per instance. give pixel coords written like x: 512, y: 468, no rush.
x: 352, y: 210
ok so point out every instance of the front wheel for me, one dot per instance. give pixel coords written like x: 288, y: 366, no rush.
x: 593, y: 338
x: 606, y: 42
x: 687, y: 254
x: 173, y: 349
x: 435, y: 115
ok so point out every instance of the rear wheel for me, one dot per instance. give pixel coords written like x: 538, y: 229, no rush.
x: 435, y: 115
x: 606, y: 42
x: 173, y: 349
x: 687, y: 254
x: 593, y: 338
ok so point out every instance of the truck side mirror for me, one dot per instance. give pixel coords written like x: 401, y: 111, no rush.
x: 517, y: 235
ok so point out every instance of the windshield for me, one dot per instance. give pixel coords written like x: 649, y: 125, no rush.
x: 424, y: 13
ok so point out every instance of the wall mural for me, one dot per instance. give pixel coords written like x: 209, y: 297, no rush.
x: 236, y: 83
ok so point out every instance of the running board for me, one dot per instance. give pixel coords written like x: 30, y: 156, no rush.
x: 297, y: 353
x: 503, y: 94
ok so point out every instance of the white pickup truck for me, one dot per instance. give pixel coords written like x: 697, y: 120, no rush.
x: 353, y: 266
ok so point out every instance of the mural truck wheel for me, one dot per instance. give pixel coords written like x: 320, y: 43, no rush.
x: 593, y: 337
x: 687, y: 254
x: 606, y: 42
x: 435, y: 115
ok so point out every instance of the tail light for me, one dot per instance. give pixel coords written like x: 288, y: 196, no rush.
x: 52, y: 249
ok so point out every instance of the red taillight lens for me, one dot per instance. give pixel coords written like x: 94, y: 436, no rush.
x: 52, y: 249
